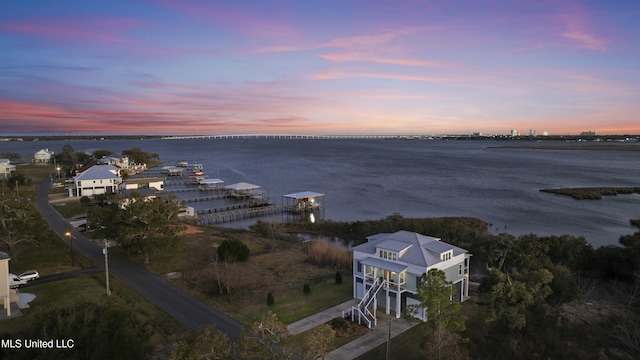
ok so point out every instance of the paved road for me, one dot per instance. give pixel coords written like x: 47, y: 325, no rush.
x: 191, y: 312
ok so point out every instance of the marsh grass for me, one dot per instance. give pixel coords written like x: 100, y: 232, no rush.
x: 327, y: 253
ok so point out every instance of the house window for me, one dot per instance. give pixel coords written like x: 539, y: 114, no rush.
x: 393, y: 256
x: 359, y: 266
x: 460, y: 269
x: 446, y: 256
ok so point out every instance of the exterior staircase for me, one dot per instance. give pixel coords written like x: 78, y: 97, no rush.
x: 364, y: 311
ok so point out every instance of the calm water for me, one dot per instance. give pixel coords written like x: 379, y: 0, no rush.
x: 371, y: 179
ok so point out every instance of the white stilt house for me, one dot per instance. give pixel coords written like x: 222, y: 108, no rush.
x: 388, y: 269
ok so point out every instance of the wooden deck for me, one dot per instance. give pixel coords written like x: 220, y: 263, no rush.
x: 238, y: 214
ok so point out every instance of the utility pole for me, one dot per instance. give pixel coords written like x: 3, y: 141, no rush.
x: 389, y: 341
x: 106, y: 264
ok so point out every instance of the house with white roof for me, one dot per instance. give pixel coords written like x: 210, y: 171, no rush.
x: 96, y: 180
x: 43, y: 156
x: 6, y: 168
x: 388, y: 269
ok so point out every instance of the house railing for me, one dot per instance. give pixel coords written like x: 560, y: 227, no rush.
x: 363, y: 306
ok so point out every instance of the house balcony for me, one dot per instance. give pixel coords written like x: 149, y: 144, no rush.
x: 391, y: 283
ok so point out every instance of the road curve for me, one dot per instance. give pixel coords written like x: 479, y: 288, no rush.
x: 191, y: 312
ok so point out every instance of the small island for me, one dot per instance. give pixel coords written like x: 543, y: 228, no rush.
x: 593, y: 193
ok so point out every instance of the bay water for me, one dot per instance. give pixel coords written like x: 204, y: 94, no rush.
x: 366, y: 179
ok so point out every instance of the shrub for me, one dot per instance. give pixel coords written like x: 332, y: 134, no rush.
x: 306, y: 289
x: 85, y: 200
x: 338, y: 277
x: 339, y: 324
x: 233, y: 250
x: 270, y: 300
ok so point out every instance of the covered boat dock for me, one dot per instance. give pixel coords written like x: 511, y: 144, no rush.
x: 302, y: 201
x: 210, y: 184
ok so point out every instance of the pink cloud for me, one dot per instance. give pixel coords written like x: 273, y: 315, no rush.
x: 579, y: 29
x: 355, y: 43
x: 363, y: 57
x: 334, y: 74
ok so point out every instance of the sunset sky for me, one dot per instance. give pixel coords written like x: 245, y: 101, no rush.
x: 319, y: 67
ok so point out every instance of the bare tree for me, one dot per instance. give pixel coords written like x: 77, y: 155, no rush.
x: 16, y: 225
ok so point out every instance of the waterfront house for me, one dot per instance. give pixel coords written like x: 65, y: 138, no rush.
x: 43, y: 156
x: 6, y: 168
x: 388, y: 268
x: 96, y: 180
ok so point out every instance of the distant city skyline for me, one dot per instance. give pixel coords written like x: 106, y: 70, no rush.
x: 331, y: 67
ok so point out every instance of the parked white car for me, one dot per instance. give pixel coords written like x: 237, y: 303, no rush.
x: 29, y: 275
x: 15, y: 282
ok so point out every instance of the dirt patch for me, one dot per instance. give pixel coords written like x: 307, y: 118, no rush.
x: 191, y: 229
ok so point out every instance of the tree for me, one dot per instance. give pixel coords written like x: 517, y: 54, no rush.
x: 233, y: 250
x: 98, y: 332
x: 138, y: 156
x: 229, y: 253
x: 17, y: 225
x: 209, y: 343
x: 99, y: 154
x: 265, y: 339
x: 147, y: 225
x: 317, y: 343
x: 338, y: 278
x: 435, y: 294
x: 270, y: 299
x: 511, y: 297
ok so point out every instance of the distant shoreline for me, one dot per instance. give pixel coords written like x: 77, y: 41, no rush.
x: 593, y: 193
x: 573, y: 147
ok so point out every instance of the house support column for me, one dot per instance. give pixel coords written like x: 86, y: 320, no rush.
x: 388, y: 305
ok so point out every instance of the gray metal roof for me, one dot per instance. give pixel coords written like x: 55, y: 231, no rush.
x: 303, y: 195
x: 421, y: 250
x: 242, y: 186
x: 211, y: 181
x: 98, y: 172
x: 393, y: 245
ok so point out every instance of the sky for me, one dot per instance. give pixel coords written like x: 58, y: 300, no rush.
x: 319, y: 67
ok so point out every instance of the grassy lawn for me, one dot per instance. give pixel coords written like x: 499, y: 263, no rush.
x: 275, y: 266
x: 50, y: 257
x: 405, y: 346
x: 36, y: 172
x: 71, y: 208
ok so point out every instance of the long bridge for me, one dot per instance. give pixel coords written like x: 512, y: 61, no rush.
x: 283, y: 136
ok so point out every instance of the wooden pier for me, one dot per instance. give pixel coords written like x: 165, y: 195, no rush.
x: 217, y: 217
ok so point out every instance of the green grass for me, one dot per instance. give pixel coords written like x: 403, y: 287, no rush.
x: 36, y: 172
x: 48, y: 257
x: 294, y: 305
x: 71, y: 208
x: 405, y: 346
